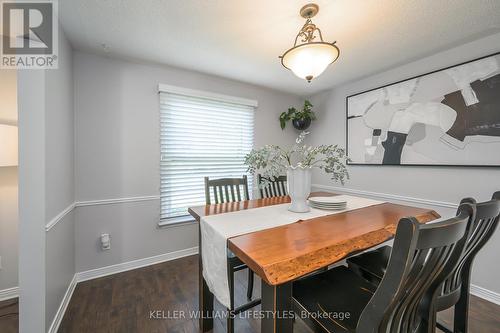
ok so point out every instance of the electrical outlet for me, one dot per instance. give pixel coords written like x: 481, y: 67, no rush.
x: 105, y: 242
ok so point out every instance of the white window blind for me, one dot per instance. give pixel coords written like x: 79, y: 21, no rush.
x: 200, y: 137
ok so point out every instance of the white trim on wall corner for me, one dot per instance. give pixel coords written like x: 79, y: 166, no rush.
x: 72, y: 206
x: 385, y: 196
x: 59, y: 217
x: 9, y: 293
x: 485, y: 294
x: 54, y: 327
x: 134, y: 264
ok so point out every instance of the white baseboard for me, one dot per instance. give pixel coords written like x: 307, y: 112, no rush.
x: 126, y: 266
x: 54, y: 327
x: 9, y: 293
x: 485, y: 294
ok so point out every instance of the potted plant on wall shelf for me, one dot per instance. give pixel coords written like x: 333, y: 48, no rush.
x: 301, y: 119
x: 272, y: 161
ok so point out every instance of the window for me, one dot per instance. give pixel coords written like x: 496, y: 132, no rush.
x: 201, y: 135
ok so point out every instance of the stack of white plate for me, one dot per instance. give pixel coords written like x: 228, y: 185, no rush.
x: 328, y: 203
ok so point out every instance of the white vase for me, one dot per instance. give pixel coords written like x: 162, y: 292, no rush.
x: 299, y: 188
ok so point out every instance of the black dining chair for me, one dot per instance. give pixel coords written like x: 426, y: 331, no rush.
x: 423, y: 256
x: 456, y: 289
x: 225, y: 190
x: 276, y: 187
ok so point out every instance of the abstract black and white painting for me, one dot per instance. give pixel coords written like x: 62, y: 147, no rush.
x: 447, y: 117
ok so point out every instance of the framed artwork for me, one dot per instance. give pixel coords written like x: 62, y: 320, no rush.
x: 449, y: 117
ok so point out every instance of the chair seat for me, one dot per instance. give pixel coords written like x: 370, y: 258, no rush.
x: 324, y: 298
x: 371, y: 265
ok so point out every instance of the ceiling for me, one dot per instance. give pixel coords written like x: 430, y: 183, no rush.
x: 242, y: 39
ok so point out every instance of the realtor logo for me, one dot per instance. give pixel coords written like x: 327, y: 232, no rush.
x: 29, y: 34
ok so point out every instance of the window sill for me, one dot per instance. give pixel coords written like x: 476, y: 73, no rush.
x: 176, y: 222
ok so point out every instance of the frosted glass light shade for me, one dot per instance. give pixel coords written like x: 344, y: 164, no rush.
x: 309, y: 60
x: 8, y: 145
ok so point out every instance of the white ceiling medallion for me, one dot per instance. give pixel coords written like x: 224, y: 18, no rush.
x: 310, y: 57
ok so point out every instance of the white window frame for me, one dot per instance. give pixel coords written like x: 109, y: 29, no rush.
x: 165, y: 88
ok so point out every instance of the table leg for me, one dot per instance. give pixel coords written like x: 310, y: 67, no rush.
x: 277, y: 308
x: 206, y: 298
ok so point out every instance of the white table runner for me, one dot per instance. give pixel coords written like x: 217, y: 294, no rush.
x: 216, y: 229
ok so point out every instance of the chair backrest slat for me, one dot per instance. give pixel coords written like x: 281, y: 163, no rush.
x: 422, y: 258
x: 273, y: 189
x: 238, y: 193
x: 226, y: 190
x: 283, y: 187
x: 232, y: 194
x: 221, y: 194
x: 216, y: 194
x: 276, y: 187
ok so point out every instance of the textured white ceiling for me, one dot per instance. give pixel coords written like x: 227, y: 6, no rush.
x: 241, y: 39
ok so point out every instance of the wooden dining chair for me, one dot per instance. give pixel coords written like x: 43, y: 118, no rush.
x: 424, y: 255
x: 225, y: 190
x: 456, y: 289
x: 276, y: 186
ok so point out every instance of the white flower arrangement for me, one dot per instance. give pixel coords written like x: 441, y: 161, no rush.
x: 272, y: 161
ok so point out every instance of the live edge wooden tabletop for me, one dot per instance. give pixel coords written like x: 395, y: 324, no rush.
x: 284, y: 253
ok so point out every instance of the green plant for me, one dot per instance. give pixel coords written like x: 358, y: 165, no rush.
x: 294, y: 114
x: 272, y: 161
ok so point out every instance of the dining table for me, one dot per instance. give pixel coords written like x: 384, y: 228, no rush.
x: 283, y: 254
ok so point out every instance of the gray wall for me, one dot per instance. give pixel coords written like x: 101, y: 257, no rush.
x: 8, y: 187
x: 433, y: 183
x: 117, y: 152
x: 60, y: 176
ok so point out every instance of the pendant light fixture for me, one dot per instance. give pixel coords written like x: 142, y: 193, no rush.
x: 311, y: 56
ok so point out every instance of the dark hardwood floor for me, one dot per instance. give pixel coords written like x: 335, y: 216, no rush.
x: 123, y: 303
x: 9, y: 315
